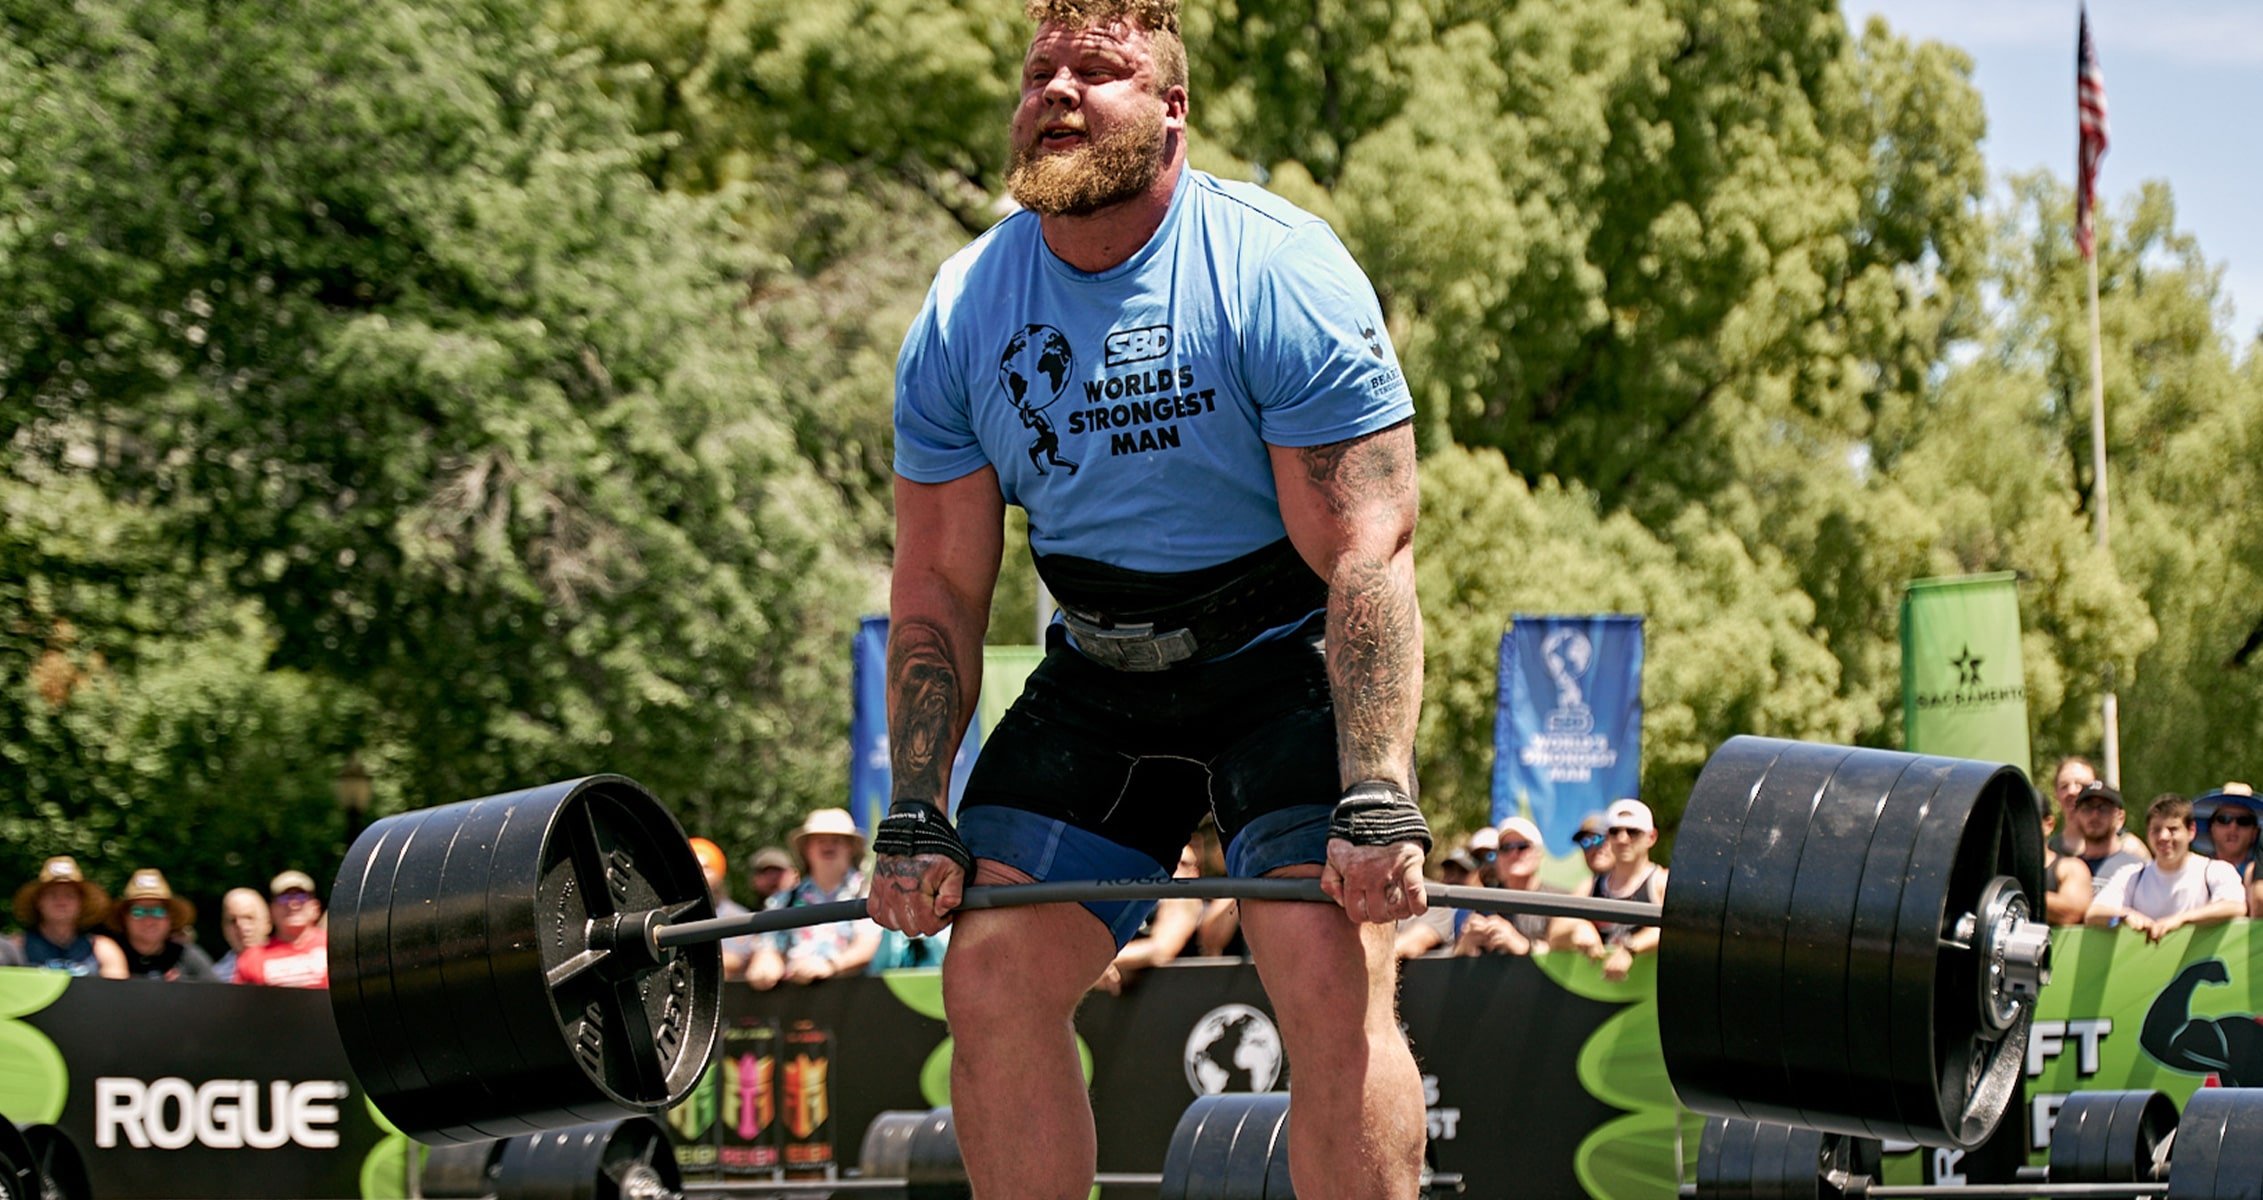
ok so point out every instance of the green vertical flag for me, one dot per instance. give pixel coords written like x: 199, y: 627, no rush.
x: 1964, y: 688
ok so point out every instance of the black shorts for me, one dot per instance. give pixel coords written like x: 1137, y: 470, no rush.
x: 1137, y: 758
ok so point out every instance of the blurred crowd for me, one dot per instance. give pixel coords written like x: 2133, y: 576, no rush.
x: 2193, y: 865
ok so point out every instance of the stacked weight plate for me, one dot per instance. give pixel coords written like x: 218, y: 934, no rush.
x: 1813, y: 970
x: 488, y: 972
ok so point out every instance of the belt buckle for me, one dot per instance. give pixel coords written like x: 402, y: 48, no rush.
x: 1131, y: 647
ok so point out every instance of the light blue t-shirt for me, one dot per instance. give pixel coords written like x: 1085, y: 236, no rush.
x: 1128, y: 411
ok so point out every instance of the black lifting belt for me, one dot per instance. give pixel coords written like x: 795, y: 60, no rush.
x: 1151, y: 621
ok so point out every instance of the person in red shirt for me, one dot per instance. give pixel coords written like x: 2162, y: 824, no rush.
x: 299, y: 953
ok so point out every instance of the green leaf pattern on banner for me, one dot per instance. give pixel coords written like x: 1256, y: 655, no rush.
x: 34, y: 1080
x: 1622, y: 1064
x: 1637, y: 1156
x: 385, y: 1172
x: 919, y: 989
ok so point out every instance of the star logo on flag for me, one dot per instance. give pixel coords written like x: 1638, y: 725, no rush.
x: 1968, y: 668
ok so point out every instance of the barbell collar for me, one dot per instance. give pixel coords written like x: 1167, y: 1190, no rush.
x: 1077, y: 891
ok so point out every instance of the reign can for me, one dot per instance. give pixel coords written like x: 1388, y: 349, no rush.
x: 750, y: 1099
x: 805, y: 1101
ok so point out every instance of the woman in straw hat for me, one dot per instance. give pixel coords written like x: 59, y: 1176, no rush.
x: 151, y: 924
x: 59, y: 909
x: 830, y: 847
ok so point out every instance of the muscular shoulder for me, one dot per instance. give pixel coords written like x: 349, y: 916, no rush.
x: 980, y: 265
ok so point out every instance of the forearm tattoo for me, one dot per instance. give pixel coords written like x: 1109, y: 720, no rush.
x: 1374, y: 623
x: 924, y: 678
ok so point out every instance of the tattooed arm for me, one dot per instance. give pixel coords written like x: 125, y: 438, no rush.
x: 949, y: 538
x: 1349, y: 507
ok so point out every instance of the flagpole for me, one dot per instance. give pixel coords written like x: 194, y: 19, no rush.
x: 2109, y: 704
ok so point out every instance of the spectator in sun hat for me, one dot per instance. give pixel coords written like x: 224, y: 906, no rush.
x: 2226, y: 821
x: 831, y: 848
x: 1517, y: 869
x: 717, y: 868
x: 298, y: 955
x: 60, y: 909
x: 1629, y: 832
x: 151, y: 924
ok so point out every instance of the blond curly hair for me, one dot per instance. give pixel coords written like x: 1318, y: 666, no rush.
x: 1160, y: 18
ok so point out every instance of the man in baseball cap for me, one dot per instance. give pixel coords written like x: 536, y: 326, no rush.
x: 1516, y: 868
x: 299, y: 953
x: 1629, y: 832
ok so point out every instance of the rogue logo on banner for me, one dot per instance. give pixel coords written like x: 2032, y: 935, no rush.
x: 1004, y: 670
x: 1567, y: 730
x: 1964, y: 686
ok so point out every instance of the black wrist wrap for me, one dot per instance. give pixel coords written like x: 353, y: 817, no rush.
x: 915, y: 827
x: 1375, y: 812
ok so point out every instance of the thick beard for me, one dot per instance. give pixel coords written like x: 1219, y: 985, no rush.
x: 1104, y: 171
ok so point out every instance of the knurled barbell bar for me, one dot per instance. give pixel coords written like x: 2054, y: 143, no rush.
x: 2122, y: 1144
x: 1847, y: 945
x: 1225, y: 1147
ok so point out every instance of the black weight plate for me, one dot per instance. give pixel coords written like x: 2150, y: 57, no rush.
x: 361, y: 995
x: 1693, y: 920
x: 1178, y: 1155
x: 1726, y: 1159
x: 1754, y: 968
x: 19, y: 1172
x: 1982, y: 825
x: 61, y: 1168
x: 598, y: 1161
x: 459, y: 1171
x: 935, y: 1170
x: 2219, y: 1141
x: 1279, y: 1183
x: 486, y: 996
x: 2109, y: 1137
x: 1264, y: 1125
x: 1825, y: 1059
x: 886, y: 1150
x: 2079, y: 1147
x: 1213, y: 1156
x: 1870, y: 948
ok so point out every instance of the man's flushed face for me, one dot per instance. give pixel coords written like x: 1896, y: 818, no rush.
x: 2072, y: 778
x: 1091, y: 127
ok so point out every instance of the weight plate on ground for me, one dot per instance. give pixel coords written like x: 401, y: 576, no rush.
x: 463, y: 1171
x: 2219, y: 1146
x: 19, y: 1172
x: 886, y: 1149
x: 1224, y: 1148
x: 1264, y: 1127
x: 2109, y: 1137
x: 1753, y: 1160
x: 1279, y: 1184
x: 934, y: 1169
x: 628, y: 1159
x: 490, y: 967
x: 61, y: 1168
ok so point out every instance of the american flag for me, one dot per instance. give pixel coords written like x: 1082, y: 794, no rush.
x: 2090, y: 105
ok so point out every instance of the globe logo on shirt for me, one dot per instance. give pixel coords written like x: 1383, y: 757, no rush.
x: 1034, y: 368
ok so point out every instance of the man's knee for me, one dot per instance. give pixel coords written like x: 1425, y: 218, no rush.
x: 1022, y: 967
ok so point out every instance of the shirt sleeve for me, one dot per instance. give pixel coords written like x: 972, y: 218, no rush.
x: 1319, y: 365
x: 2223, y: 882
x: 935, y: 438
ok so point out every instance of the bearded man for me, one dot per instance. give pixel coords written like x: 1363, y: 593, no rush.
x: 1187, y: 385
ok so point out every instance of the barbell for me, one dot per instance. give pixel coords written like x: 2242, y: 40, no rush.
x: 2103, y: 1144
x: 1232, y: 1146
x: 1846, y: 945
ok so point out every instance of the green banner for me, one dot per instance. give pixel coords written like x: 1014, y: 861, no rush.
x: 1964, y: 689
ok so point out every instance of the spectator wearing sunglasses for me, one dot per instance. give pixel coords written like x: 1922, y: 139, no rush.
x: 2227, y: 831
x: 1589, y: 839
x: 151, y: 924
x: 1517, y: 869
x: 299, y: 953
x: 1629, y: 832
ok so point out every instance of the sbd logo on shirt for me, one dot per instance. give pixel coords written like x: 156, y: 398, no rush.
x: 1035, y: 371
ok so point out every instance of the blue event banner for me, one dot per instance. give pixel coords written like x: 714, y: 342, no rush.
x: 1567, y: 730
